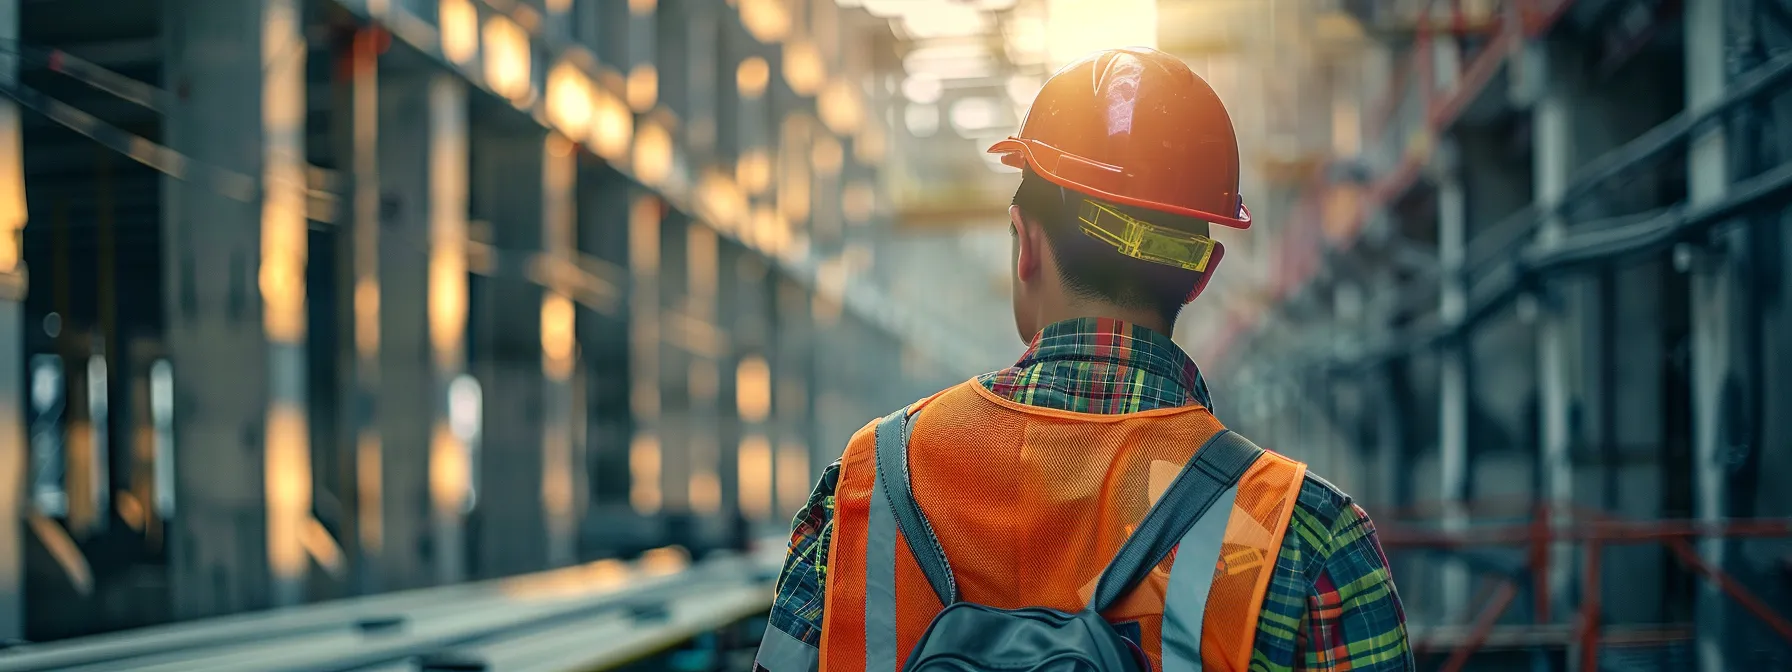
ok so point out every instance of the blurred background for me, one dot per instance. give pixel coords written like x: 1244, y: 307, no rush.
x: 358, y: 307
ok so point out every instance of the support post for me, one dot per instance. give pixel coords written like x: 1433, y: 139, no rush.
x: 456, y: 424
x: 244, y: 468
x: 1717, y: 311
x: 1453, y: 384
x: 559, y: 355
x: 1552, y: 163
x: 508, y: 171
x: 360, y: 419
x: 646, y: 481
x: 414, y: 487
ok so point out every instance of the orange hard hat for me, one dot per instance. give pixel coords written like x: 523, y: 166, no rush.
x: 1134, y: 127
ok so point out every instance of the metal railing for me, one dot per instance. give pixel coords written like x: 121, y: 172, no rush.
x: 1594, y: 533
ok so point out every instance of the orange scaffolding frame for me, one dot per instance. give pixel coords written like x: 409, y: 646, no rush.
x: 1596, y: 531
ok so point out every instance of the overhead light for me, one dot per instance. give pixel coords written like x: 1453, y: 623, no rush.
x: 507, y: 59
x: 949, y: 62
x: 753, y: 170
x: 975, y: 114
x: 921, y: 88
x: 767, y: 20
x: 1077, y: 28
x: 751, y: 77
x: 460, y: 30
x: 803, y: 67
x: 569, y: 100
x: 1024, y: 39
x: 653, y: 154
x: 840, y: 108
x: 612, y: 126
x: 886, y: 8
x: 643, y: 87
x: 995, y: 5
x: 944, y: 20
x: 922, y: 120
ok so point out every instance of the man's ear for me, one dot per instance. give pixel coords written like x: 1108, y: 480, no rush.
x: 1028, y: 240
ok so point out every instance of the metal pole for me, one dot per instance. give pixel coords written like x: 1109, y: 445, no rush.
x: 1552, y: 162
x: 1453, y: 386
x: 1715, y: 292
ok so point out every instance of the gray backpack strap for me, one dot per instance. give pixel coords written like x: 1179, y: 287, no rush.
x: 892, y: 471
x: 1214, y: 469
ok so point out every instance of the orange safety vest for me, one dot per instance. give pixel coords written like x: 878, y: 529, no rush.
x: 1030, y: 504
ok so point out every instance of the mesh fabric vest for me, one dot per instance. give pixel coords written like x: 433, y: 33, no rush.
x: 1030, y: 504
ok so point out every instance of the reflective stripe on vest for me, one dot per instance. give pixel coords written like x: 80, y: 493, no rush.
x: 880, y: 584
x: 780, y: 652
x: 1185, y: 603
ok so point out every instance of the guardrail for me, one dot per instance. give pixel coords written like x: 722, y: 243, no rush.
x: 596, y: 616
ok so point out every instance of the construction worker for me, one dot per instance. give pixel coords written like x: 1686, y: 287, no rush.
x: 1029, y: 479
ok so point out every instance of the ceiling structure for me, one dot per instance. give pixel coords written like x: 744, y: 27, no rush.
x: 1287, y: 69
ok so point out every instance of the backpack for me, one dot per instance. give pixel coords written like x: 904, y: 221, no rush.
x: 967, y: 637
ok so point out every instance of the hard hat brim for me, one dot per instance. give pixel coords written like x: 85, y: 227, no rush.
x: 1048, y: 162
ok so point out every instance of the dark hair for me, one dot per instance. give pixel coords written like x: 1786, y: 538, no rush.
x: 1094, y: 269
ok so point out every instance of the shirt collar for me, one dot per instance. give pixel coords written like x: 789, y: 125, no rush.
x: 1128, y: 351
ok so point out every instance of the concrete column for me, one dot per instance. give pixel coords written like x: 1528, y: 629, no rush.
x: 508, y: 172
x: 677, y: 374
x: 701, y: 260
x: 236, y: 282
x: 12, y: 294
x: 603, y: 211
x: 792, y: 402
x: 421, y: 274
x: 455, y: 418
x: 750, y: 323
x: 1552, y: 142
x: 560, y: 480
x: 646, y: 489
x: 1453, y: 383
x: 360, y: 430
x: 1717, y: 310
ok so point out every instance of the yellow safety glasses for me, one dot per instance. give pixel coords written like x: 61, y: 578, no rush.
x: 1144, y: 240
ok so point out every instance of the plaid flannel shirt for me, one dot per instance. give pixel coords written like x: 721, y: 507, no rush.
x: 1331, y: 603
